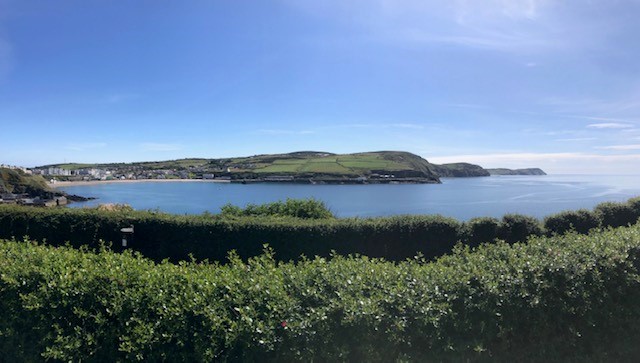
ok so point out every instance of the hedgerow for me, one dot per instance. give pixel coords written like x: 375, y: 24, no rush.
x: 292, y: 228
x: 559, y: 298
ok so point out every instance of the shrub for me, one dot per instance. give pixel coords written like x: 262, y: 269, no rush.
x: 613, y: 214
x: 561, y: 298
x: 115, y: 207
x: 482, y: 229
x: 297, y: 208
x: 634, y: 204
x: 581, y: 221
x: 517, y: 227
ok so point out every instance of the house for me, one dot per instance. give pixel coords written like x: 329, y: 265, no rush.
x: 9, y: 197
x: 27, y: 201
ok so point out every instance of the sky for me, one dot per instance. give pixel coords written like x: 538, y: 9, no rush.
x: 500, y: 83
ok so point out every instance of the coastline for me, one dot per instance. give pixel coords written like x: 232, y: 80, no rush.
x: 126, y: 181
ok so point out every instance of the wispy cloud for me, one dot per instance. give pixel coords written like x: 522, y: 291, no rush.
x: 285, y: 132
x: 577, y: 139
x: 405, y: 126
x: 514, y: 9
x: 560, y: 132
x: 154, y: 146
x: 490, y: 40
x: 502, y: 25
x: 514, y: 26
x: 604, y: 119
x: 467, y: 105
x: 540, y: 159
x: 413, y: 126
x: 508, y: 158
x: 630, y: 130
x: 610, y: 125
x: 620, y: 106
x: 620, y: 147
x: 85, y: 146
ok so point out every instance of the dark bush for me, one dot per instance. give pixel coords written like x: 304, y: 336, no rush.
x: 518, y: 227
x: 613, y: 214
x: 634, y: 204
x: 581, y: 221
x: 482, y: 229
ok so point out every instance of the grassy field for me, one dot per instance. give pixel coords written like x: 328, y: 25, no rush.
x: 352, y: 164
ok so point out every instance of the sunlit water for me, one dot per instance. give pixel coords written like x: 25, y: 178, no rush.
x: 462, y: 198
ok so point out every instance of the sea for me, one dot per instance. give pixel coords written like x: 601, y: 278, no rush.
x: 461, y: 198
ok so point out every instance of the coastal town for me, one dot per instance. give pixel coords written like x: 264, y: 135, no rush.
x: 28, y: 194
x: 54, y: 174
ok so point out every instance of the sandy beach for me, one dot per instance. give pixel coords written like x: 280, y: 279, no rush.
x: 96, y: 182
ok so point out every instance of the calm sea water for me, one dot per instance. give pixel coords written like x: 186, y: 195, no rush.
x: 462, y: 198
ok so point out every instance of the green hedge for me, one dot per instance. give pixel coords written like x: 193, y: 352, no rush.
x: 561, y: 298
x: 159, y: 236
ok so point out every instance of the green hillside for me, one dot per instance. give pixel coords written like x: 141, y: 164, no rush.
x: 347, y: 164
x: 460, y: 170
x: 304, y: 166
x: 319, y: 166
x: 17, y: 182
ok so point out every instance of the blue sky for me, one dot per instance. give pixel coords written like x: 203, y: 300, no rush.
x: 512, y: 83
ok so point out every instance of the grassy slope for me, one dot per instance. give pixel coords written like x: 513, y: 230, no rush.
x: 15, y: 181
x: 460, y: 170
x: 293, y: 163
x: 351, y: 164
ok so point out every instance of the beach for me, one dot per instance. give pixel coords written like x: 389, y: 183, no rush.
x: 96, y: 182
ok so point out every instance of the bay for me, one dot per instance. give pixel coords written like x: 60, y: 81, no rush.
x: 461, y: 198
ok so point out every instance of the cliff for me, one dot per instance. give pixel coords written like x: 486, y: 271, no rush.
x: 528, y: 171
x: 460, y: 170
x: 17, y: 182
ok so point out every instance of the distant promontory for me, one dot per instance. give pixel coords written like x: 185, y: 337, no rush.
x: 529, y: 171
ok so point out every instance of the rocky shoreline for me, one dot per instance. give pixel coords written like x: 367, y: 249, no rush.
x: 337, y: 181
